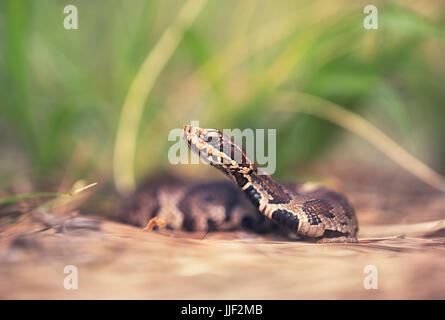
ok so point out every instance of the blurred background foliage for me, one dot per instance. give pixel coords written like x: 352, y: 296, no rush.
x: 62, y: 91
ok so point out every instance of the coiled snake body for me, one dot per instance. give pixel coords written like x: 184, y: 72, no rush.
x: 306, y: 211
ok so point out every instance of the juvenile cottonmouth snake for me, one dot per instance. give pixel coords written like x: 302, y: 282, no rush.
x: 306, y: 211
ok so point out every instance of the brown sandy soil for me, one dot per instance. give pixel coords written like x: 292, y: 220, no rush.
x: 402, y: 234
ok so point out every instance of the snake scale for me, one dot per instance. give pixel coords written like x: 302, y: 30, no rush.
x: 305, y: 211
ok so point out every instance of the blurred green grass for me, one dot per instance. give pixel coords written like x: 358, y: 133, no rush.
x: 62, y: 91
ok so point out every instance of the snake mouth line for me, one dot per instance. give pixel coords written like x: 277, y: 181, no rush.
x: 208, y: 144
x: 216, y: 148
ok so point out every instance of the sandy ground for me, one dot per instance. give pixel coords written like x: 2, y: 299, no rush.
x: 401, y: 248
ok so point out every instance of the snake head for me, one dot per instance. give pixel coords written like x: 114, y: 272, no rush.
x: 217, y: 149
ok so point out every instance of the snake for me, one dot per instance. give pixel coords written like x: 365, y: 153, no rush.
x: 252, y: 200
